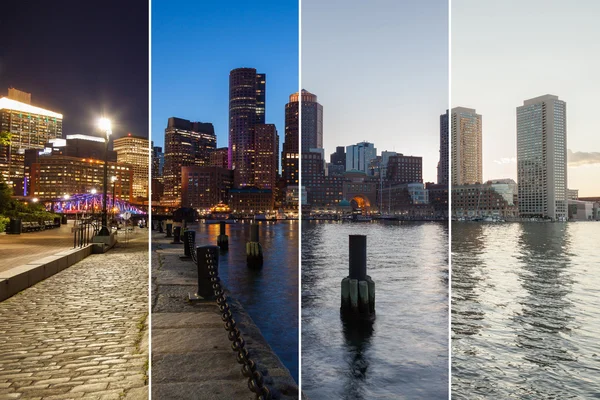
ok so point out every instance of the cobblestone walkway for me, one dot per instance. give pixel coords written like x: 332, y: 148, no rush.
x: 81, y: 333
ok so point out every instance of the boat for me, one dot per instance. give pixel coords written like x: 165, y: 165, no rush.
x: 219, y: 213
x: 260, y: 217
x: 280, y: 215
x: 361, y: 218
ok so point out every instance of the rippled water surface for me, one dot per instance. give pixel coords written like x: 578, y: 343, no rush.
x: 405, y: 353
x: 526, y: 310
x: 269, y: 295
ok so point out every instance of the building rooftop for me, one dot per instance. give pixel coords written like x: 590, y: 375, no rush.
x: 9, y: 104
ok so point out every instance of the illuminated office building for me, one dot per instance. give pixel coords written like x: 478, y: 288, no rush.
x: 135, y: 151
x: 23, y: 127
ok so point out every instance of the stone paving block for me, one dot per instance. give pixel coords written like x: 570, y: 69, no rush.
x: 184, y: 341
x: 46, y: 337
x: 216, y: 390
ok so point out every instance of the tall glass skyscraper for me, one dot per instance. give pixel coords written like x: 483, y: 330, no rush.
x: 444, y: 163
x: 467, y: 161
x: 290, y: 154
x: 247, y: 96
x: 312, y: 122
x: 542, y: 157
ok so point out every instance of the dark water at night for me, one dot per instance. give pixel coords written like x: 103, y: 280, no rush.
x: 269, y: 295
x: 405, y: 354
x: 526, y: 311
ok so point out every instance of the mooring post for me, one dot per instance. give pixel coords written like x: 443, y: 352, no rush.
x: 160, y: 227
x: 189, y: 239
x: 176, y: 235
x: 222, y: 239
x: 169, y: 229
x: 254, y: 254
x: 207, y: 256
x: 358, y: 289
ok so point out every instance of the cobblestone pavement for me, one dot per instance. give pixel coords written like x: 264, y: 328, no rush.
x: 81, y: 333
x: 21, y: 249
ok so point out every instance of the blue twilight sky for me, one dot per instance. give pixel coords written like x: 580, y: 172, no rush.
x: 380, y: 70
x: 195, y: 45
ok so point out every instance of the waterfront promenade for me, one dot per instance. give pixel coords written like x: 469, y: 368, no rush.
x: 22, y: 249
x: 191, y: 354
x: 81, y: 333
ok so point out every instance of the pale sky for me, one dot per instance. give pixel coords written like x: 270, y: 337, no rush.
x: 380, y: 70
x: 504, y: 52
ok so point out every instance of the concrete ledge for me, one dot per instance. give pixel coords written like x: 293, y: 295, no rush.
x: 103, y: 243
x: 20, y: 278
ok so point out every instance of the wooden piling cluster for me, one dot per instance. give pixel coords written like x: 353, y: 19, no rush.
x: 254, y: 254
x: 358, y: 289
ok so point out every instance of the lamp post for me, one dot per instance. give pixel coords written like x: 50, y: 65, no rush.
x: 105, y: 126
x: 113, y: 179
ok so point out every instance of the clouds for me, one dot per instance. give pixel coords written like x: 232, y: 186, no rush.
x: 579, y: 158
x: 506, y: 160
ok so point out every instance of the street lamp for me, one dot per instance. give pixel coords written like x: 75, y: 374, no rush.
x: 105, y: 126
x: 113, y: 179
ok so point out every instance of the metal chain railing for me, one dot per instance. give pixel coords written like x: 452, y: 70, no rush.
x: 255, y: 379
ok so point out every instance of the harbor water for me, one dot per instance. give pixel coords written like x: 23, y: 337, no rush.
x: 525, y: 310
x: 268, y: 294
x: 404, y: 354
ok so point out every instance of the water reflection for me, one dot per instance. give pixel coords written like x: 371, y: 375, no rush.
x: 468, y: 276
x: 357, y: 340
x: 268, y: 294
x: 403, y: 353
x: 535, y: 300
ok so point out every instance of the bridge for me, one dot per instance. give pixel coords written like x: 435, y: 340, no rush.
x: 90, y: 203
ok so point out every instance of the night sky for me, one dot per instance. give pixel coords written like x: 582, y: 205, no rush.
x: 82, y: 59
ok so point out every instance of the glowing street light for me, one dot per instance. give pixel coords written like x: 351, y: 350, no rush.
x: 105, y: 125
x: 93, y: 191
x: 66, y: 197
x: 35, y: 200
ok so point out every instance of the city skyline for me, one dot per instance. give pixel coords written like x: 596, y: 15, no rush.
x: 369, y: 90
x: 521, y: 63
x: 196, y: 85
x: 92, y: 74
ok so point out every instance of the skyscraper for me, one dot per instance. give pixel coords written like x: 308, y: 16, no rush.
x: 467, y: 163
x: 339, y: 157
x: 23, y: 127
x: 358, y: 156
x: 186, y: 144
x: 289, y: 155
x: 542, y: 157
x: 444, y: 163
x: 266, y: 156
x: 247, y: 95
x: 135, y: 151
x: 312, y: 122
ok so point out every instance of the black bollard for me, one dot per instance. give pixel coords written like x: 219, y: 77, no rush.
x: 206, y: 255
x: 358, y: 257
x: 254, y: 254
x: 169, y: 230
x: 222, y: 239
x: 176, y: 235
x: 189, y: 240
x: 160, y: 227
x: 358, y: 289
